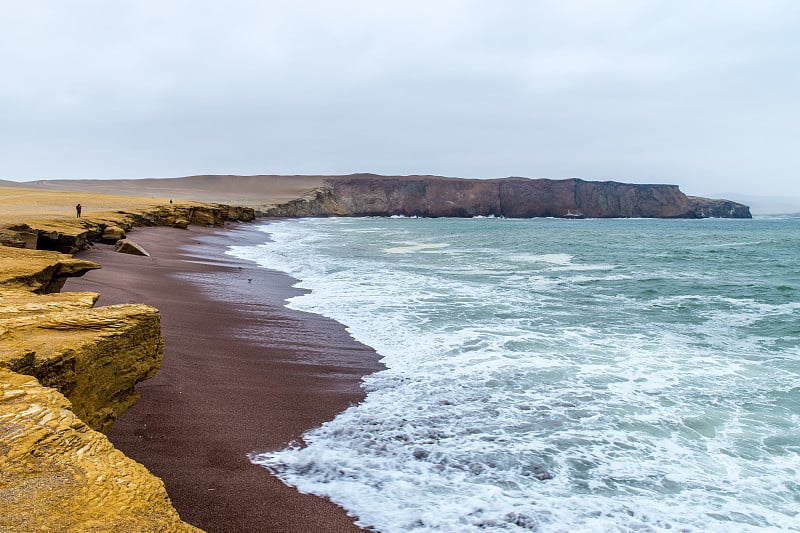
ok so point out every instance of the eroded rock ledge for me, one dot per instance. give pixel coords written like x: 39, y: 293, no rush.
x: 58, y: 474
x: 70, y: 235
x: 67, y: 370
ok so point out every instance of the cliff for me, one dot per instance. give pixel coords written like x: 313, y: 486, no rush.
x: 57, y: 474
x: 68, y: 369
x: 434, y: 196
x: 94, y: 356
x: 68, y: 235
x: 708, y: 208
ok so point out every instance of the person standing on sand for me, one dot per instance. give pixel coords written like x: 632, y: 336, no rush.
x: 78, y: 210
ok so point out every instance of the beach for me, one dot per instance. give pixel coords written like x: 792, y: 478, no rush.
x: 238, y: 376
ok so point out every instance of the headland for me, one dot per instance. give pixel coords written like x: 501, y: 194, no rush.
x: 423, y: 196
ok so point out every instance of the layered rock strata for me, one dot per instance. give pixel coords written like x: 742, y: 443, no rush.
x: 58, y: 474
x: 434, y: 196
x: 38, y: 271
x: 71, y: 235
x: 67, y: 371
x: 92, y: 356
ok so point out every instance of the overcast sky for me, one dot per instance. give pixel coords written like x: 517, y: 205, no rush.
x: 703, y: 94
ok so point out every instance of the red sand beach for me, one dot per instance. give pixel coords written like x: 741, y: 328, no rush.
x: 238, y: 376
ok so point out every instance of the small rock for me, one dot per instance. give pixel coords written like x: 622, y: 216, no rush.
x: 420, y: 453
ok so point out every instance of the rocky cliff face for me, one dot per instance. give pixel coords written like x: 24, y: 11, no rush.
x: 433, y: 196
x: 70, y: 235
x: 57, y: 474
x: 94, y: 357
x: 522, y: 198
x: 708, y: 208
x: 67, y: 371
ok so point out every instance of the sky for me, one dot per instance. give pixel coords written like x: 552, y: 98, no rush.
x: 702, y: 94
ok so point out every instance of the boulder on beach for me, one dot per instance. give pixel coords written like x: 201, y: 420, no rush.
x: 127, y: 246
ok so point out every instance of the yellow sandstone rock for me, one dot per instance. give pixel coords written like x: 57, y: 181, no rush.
x: 57, y: 474
x: 112, y: 234
x: 68, y: 369
x: 93, y: 356
x: 43, y: 219
x: 38, y: 271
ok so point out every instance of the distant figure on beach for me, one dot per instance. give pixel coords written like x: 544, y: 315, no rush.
x: 78, y: 210
x: 170, y: 200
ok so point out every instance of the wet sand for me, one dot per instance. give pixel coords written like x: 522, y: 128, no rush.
x: 239, y: 375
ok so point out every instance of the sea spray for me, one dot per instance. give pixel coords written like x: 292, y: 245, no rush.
x: 556, y: 375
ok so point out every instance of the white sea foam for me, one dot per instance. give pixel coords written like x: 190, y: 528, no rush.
x: 409, y: 247
x: 519, y: 395
x: 556, y: 259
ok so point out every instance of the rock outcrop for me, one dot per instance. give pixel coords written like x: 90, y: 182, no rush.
x: 19, y: 236
x: 68, y: 370
x: 434, y: 196
x: 708, y: 208
x: 57, y: 474
x: 178, y: 215
x: 70, y: 235
x: 112, y: 234
x: 94, y: 357
x: 38, y: 271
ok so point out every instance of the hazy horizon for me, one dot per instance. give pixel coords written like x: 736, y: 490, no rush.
x: 699, y: 94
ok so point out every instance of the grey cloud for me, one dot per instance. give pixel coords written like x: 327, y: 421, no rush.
x: 697, y: 93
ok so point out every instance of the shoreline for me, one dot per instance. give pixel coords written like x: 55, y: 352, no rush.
x: 238, y: 376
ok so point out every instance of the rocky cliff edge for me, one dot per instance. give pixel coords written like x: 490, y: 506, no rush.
x: 67, y: 370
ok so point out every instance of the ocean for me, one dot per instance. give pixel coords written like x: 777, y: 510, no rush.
x: 555, y: 375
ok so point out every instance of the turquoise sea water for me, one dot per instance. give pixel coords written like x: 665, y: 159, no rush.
x: 556, y: 375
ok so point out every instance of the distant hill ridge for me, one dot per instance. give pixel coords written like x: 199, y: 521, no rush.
x: 422, y: 195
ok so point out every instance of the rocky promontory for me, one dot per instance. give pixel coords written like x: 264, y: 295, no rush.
x: 435, y: 196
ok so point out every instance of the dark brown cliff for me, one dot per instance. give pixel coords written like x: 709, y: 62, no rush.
x: 708, y: 208
x: 434, y: 196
